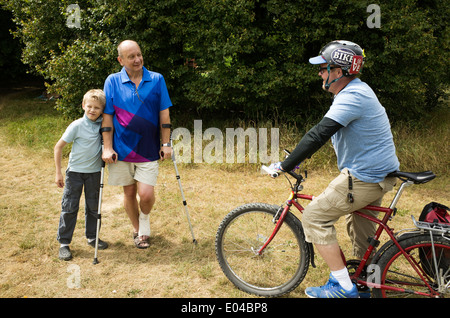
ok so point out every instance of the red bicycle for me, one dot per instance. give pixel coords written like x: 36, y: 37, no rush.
x: 262, y: 250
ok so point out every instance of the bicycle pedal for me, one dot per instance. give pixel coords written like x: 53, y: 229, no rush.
x: 363, y: 291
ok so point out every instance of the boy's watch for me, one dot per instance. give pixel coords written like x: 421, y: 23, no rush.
x: 166, y: 144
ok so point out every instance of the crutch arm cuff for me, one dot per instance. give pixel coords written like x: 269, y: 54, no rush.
x: 103, y: 129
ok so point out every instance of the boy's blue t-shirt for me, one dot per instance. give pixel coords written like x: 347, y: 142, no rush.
x: 85, y: 156
x: 365, y: 144
x: 136, y: 114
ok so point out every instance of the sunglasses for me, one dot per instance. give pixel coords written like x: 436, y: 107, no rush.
x: 322, y: 69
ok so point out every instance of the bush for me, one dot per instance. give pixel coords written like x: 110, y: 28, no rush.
x: 241, y: 58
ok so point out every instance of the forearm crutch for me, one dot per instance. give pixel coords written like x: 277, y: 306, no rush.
x: 99, y: 213
x: 179, y: 183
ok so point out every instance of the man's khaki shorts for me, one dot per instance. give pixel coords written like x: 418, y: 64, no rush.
x: 324, y: 211
x: 124, y: 173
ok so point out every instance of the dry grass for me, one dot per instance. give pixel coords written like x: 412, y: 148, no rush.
x: 173, y: 267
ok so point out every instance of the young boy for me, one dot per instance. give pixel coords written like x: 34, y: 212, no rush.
x: 84, y: 169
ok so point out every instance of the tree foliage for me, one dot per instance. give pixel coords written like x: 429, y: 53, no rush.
x: 246, y: 58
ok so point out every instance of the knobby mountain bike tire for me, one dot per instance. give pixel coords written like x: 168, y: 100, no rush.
x: 283, y: 264
x: 396, y: 271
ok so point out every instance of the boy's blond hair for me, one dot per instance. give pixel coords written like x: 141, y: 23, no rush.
x: 95, y: 94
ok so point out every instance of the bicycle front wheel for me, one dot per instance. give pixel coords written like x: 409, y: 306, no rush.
x: 282, y: 265
x: 432, y: 278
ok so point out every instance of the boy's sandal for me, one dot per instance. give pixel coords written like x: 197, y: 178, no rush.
x: 142, y: 243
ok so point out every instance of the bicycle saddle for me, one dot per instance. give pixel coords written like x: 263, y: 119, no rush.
x: 416, y: 177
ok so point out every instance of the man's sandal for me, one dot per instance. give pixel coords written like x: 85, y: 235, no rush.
x: 144, y: 231
x: 142, y: 243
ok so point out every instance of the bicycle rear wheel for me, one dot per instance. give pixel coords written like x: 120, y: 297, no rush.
x: 396, y: 271
x: 282, y: 265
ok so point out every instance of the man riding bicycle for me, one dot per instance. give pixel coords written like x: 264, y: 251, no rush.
x: 361, y: 135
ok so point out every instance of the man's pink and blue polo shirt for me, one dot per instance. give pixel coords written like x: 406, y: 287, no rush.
x: 136, y: 114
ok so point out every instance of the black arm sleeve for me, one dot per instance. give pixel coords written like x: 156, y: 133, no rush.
x: 312, y: 141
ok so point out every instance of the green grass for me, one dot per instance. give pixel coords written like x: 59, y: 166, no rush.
x: 425, y: 148
x: 30, y: 122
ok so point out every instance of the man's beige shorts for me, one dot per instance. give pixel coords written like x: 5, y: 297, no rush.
x: 124, y: 173
x: 323, y: 212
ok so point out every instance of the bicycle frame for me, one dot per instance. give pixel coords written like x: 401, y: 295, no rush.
x: 389, y: 212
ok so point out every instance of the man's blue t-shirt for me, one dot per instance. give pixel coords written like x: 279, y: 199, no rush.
x: 364, y: 145
x: 136, y: 114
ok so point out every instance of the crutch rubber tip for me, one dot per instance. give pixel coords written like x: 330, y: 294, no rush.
x: 95, y: 261
x: 194, y: 241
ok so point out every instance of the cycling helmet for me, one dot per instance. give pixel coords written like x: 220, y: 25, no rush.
x: 347, y: 55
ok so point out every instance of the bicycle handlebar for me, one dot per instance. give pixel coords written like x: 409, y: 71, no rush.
x: 269, y: 171
x: 275, y: 174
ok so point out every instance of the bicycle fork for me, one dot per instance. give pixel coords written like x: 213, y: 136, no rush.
x: 278, y: 219
x: 278, y: 224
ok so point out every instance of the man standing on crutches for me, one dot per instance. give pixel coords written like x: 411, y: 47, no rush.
x: 137, y: 104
